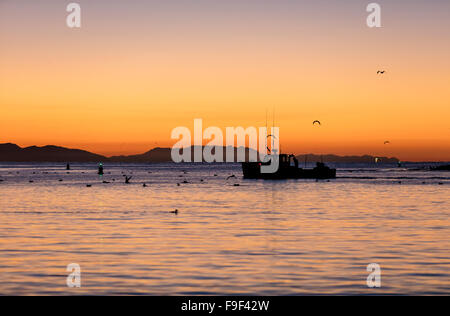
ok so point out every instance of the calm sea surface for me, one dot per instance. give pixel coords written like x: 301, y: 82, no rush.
x: 263, y: 238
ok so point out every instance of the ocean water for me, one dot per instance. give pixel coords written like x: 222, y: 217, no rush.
x: 259, y: 238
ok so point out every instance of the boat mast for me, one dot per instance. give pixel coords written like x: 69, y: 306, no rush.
x: 267, y: 131
x: 273, y: 126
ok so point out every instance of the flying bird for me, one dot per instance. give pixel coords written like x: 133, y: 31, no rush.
x: 381, y: 72
x: 233, y: 176
x: 387, y: 142
x: 317, y: 122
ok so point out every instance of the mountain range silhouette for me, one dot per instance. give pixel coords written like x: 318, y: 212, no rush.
x: 13, y: 153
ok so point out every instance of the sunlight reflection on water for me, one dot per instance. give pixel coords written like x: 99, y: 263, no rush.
x: 263, y: 238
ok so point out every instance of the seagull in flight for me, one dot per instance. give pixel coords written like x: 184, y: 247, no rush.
x: 381, y: 72
x: 317, y: 122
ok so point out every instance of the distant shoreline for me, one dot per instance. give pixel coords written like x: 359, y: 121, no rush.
x: 63, y: 163
x: 55, y: 154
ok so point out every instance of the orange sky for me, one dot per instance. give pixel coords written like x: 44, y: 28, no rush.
x: 122, y: 82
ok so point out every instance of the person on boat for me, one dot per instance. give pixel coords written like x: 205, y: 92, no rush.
x: 295, y: 162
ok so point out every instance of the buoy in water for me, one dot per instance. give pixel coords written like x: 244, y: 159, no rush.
x: 100, y: 169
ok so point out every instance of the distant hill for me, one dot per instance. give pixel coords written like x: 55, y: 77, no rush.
x: 154, y: 155
x: 164, y: 155
x: 346, y: 159
x: 14, y: 153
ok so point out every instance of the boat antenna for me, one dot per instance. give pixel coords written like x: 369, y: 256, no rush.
x: 266, y: 119
x: 267, y: 132
x: 273, y: 126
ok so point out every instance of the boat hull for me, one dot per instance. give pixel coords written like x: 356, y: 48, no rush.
x: 252, y: 170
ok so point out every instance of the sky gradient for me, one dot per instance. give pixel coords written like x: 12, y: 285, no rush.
x: 137, y: 69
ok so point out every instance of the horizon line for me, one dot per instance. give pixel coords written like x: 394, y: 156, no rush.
x: 235, y: 147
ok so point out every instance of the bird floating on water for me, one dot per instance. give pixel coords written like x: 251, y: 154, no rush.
x: 174, y: 212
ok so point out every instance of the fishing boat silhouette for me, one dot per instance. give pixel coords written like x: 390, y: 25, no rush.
x: 288, y: 169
